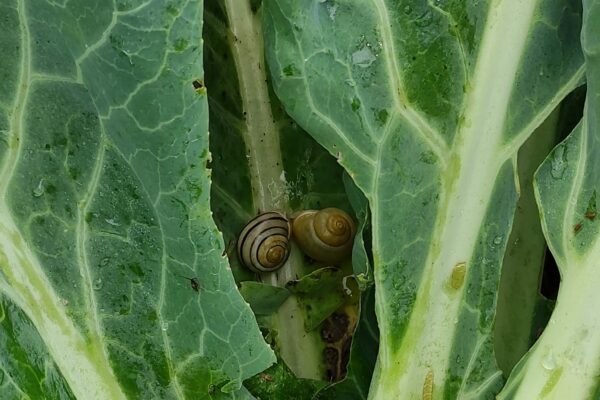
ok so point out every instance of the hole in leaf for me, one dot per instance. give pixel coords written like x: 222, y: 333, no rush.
x: 550, y: 277
x: 571, y: 111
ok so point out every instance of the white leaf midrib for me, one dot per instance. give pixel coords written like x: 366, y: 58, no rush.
x: 467, y: 198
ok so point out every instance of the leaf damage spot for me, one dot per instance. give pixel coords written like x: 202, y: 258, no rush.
x: 591, y: 211
x: 336, y: 333
x: 199, y: 86
x: 559, y: 162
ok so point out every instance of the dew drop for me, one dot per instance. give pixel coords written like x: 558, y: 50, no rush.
x: 407, y: 9
x: 363, y: 57
x: 164, y: 326
x: 332, y: 10
x: 111, y: 221
x: 39, y: 190
x: 559, y: 163
x: 424, y: 20
x: 497, y: 240
x: 97, y: 284
x: 548, y: 362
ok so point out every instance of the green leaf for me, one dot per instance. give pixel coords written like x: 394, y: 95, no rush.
x: 565, y: 362
x: 110, y: 264
x: 279, y: 382
x: 263, y: 299
x: 319, y: 294
x: 426, y: 104
x: 29, y: 369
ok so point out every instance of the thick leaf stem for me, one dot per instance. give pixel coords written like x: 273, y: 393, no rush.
x: 299, y: 349
x: 469, y: 183
x: 564, y: 362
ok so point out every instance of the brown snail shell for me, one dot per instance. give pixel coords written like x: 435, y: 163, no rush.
x: 326, y: 235
x: 264, y: 243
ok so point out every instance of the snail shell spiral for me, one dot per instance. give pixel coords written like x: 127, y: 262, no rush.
x: 326, y: 235
x: 263, y: 244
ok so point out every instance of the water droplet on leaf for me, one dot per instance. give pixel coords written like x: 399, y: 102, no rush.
x: 425, y: 19
x: 559, y: 163
x: 111, y: 221
x: 98, y: 284
x: 363, y: 57
x: 332, y: 10
x: 548, y: 362
x: 39, y: 190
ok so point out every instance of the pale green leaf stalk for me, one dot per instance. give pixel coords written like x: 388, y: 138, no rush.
x: 565, y: 362
x: 255, y: 148
x: 426, y: 105
x: 105, y: 222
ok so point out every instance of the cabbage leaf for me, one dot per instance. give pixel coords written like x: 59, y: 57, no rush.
x: 426, y: 104
x: 112, y: 280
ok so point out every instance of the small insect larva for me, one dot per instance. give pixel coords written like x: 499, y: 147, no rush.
x: 194, y: 283
x: 457, y: 277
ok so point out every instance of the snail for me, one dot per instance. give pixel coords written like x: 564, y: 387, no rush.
x: 326, y: 235
x: 263, y: 245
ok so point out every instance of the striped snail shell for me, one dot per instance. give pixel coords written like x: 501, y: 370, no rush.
x: 263, y: 245
x: 326, y: 235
